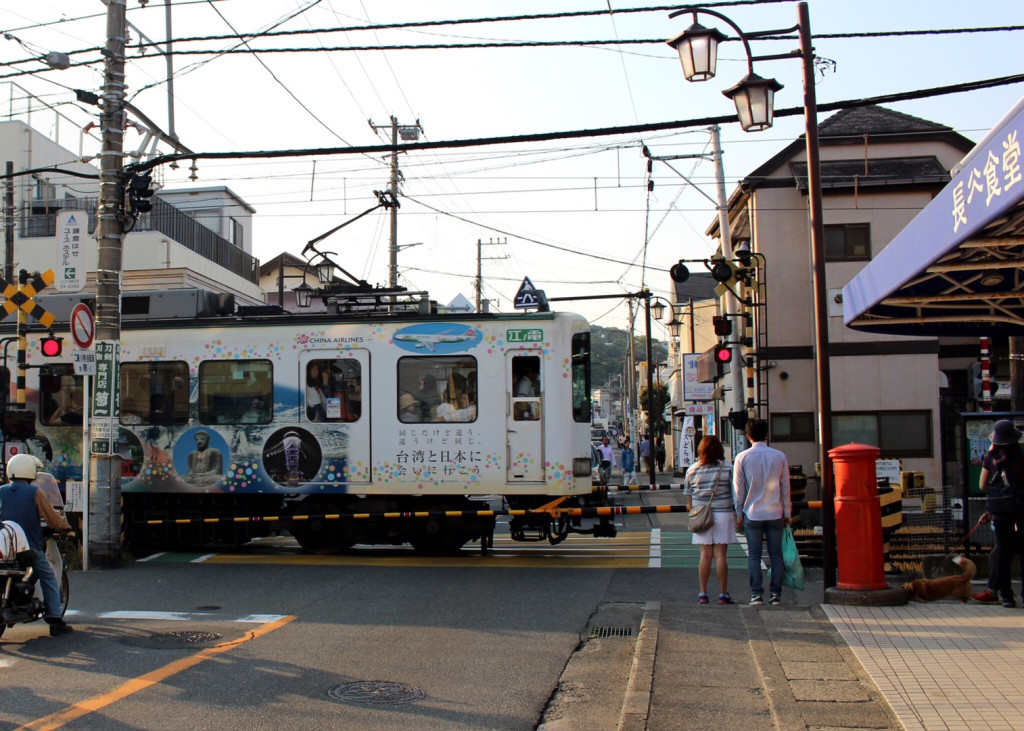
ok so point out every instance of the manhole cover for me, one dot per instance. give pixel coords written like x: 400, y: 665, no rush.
x: 185, y: 638
x: 375, y: 692
x: 611, y: 631
x: 208, y: 608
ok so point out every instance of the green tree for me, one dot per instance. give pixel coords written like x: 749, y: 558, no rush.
x: 610, y: 349
x: 661, y: 400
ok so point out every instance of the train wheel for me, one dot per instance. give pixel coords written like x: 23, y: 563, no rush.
x: 438, y: 538
x: 319, y: 535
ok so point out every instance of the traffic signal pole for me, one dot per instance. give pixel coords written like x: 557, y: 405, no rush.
x: 103, y: 496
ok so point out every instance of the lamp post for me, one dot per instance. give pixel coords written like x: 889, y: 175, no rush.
x: 754, y: 99
x: 303, y: 292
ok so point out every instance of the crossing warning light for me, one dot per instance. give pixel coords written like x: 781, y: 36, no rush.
x: 722, y: 353
x: 723, y: 325
x: 140, y: 190
x: 51, y: 347
x: 738, y: 419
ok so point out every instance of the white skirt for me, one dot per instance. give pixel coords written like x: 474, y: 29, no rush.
x: 724, y: 530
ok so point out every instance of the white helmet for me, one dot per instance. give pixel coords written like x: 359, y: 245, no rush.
x: 22, y: 467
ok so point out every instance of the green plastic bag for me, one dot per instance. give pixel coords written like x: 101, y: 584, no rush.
x: 794, y: 577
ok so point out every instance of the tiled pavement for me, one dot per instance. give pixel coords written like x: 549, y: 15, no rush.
x: 943, y: 665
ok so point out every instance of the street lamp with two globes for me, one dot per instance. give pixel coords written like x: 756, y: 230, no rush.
x: 754, y: 97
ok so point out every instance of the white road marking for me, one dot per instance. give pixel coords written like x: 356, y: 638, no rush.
x: 165, y: 616
x: 187, y: 616
x: 654, y: 562
x: 152, y: 556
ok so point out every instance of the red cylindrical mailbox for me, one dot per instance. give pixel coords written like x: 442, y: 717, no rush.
x: 858, y: 518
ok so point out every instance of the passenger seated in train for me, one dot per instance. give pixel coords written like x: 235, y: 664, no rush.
x: 408, y: 408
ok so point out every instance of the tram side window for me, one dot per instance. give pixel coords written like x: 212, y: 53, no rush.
x: 154, y: 392
x: 334, y: 390
x: 581, y: 377
x: 236, y: 391
x: 437, y: 389
x: 60, y: 396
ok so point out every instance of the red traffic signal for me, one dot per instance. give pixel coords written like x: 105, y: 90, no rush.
x: 51, y: 347
x: 723, y: 354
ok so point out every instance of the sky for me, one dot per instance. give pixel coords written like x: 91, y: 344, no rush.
x: 579, y: 217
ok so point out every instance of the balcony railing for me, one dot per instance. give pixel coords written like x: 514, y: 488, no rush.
x: 40, y: 219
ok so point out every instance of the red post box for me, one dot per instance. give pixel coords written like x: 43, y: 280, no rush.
x: 858, y: 518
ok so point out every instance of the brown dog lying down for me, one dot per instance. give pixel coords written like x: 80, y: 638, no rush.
x: 928, y: 590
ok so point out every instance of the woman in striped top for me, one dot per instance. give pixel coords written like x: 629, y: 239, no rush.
x: 711, y: 473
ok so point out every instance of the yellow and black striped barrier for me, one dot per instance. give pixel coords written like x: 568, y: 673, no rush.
x: 398, y: 515
x: 600, y: 512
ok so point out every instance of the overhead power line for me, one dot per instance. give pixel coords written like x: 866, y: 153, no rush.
x: 576, y: 134
x: 594, y: 42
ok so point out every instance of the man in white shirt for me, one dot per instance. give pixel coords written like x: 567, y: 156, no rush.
x: 607, y: 461
x: 760, y: 485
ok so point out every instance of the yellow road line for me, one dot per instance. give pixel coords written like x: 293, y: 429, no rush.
x: 91, y: 705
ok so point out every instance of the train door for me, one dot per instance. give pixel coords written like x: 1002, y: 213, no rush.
x: 335, y: 394
x: 525, y: 417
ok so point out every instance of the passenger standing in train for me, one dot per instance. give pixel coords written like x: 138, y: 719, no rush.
x: 315, y: 409
x: 428, y: 396
x: 467, y: 408
x: 527, y: 383
x: 448, y: 406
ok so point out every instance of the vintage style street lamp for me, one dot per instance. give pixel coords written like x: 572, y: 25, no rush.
x: 754, y: 97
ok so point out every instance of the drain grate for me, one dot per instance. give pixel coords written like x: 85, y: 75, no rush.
x: 611, y: 631
x: 375, y: 692
x: 185, y: 638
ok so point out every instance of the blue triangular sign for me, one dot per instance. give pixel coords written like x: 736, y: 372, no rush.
x: 526, y: 296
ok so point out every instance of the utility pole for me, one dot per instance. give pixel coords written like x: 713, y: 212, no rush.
x: 733, y: 307
x: 631, y: 380
x: 105, y: 493
x: 9, y: 223
x: 478, y: 285
x: 408, y: 132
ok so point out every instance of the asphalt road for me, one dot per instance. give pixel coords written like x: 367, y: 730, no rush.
x: 293, y: 641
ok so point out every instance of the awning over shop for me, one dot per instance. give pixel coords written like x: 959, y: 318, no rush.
x: 958, y: 267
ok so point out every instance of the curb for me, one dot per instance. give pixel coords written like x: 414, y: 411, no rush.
x: 636, y: 705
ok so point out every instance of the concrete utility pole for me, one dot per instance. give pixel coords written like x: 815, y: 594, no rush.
x: 408, y: 132
x: 631, y: 370
x: 105, y: 492
x: 733, y: 307
x: 9, y: 223
x: 478, y: 285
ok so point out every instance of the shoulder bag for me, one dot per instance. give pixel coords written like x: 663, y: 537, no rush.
x: 702, y: 518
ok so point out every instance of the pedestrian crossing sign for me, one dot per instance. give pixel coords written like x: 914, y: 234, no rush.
x: 527, y: 296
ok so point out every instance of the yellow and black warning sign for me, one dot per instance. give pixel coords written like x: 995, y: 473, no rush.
x: 22, y: 298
